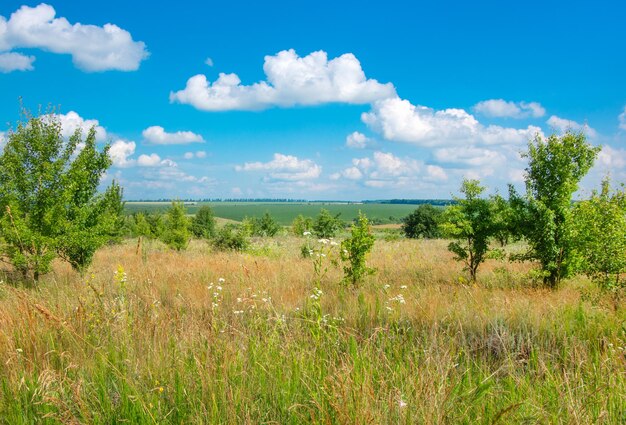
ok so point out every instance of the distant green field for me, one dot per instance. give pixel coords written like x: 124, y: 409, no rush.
x: 285, y: 212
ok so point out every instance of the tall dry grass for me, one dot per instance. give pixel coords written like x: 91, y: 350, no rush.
x: 208, y: 337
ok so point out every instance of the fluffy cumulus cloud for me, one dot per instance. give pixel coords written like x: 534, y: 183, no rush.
x: 13, y: 61
x: 72, y: 121
x: 500, y: 108
x: 285, y: 168
x: 158, y: 136
x: 121, y: 151
x: 154, y: 160
x: 562, y: 125
x: 93, y: 48
x: 357, y: 140
x: 290, y: 80
x: 400, y: 121
x: 386, y: 170
x: 622, y: 119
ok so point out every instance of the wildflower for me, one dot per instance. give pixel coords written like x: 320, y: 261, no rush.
x: 219, y: 288
x: 386, y: 287
x: 306, y: 233
x: 221, y: 280
x: 401, y: 403
x: 323, y: 241
x: 238, y: 300
x: 333, y: 243
x: 403, y: 287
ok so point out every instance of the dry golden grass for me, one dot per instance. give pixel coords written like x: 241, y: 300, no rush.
x: 151, y: 347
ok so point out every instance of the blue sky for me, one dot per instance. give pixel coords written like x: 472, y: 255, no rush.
x: 324, y: 100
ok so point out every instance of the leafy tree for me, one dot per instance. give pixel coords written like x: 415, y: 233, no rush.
x: 231, y: 238
x: 600, y: 236
x: 301, y: 224
x: 140, y: 226
x: 355, y: 249
x: 176, y: 234
x: 267, y: 225
x: 422, y: 223
x: 49, y: 201
x: 470, y: 222
x: 157, y: 224
x: 326, y: 225
x: 502, y: 219
x: 203, y: 223
x: 556, y: 166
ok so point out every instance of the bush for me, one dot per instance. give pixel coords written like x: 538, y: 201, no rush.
x: 301, y: 224
x: 203, y: 223
x: 355, y: 249
x: 422, y: 223
x: 264, y: 226
x: 176, y: 234
x: 231, y: 238
x: 326, y: 225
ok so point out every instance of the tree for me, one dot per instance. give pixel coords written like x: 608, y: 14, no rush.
x: 176, y: 234
x: 556, y: 166
x: 264, y: 226
x: 599, y: 234
x: 326, y: 225
x: 49, y: 201
x: 470, y: 222
x: 502, y: 219
x: 203, y: 223
x: 422, y: 223
x: 301, y: 224
x: 231, y: 238
x: 355, y: 249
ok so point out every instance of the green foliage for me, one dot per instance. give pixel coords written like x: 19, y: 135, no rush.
x: 354, y: 251
x: 231, y: 238
x: 49, y: 201
x: 543, y: 217
x: 599, y: 235
x: 470, y: 223
x: 326, y: 225
x: 301, y: 224
x: 140, y: 226
x: 176, y: 234
x: 157, y: 224
x: 203, y: 223
x: 502, y: 219
x: 422, y: 223
x: 264, y: 226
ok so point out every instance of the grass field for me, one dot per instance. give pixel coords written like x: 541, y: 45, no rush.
x: 284, y: 212
x: 249, y: 338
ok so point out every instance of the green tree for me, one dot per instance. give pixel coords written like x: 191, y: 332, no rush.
x: 301, y: 224
x: 326, y: 225
x: 543, y: 217
x: 599, y: 234
x: 502, y: 219
x: 422, y: 223
x: 231, y: 238
x: 49, y: 200
x: 176, y: 234
x: 140, y: 226
x: 354, y: 251
x: 470, y: 223
x: 203, y: 223
x: 267, y: 225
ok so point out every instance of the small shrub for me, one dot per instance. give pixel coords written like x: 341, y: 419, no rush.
x: 231, y: 238
x: 203, y: 223
x: 176, y: 234
x: 301, y: 224
x: 355, y: 249
x: 326, y: 225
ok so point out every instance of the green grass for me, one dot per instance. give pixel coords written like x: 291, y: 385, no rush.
x: 284, y: 213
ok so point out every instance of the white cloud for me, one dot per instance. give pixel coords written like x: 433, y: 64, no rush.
x: 120, y: 151
x: 209, y: 61
x: 398, y: 120
x: 13, y: 61
x: 154, y: 160
x: 472, y: 156
x: 92, y: 48
x: 3, y: 140
x: 500, y: 108
x: 611, y: 159
x: 158, y: 136
x: 435, y: 172
x: 622, y: 119
x: 562, y: 125
x: 71, y: 121
x: 291, y: 80
x: 191, y: 155
x: 358, y: 140
x: 284, y: 168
